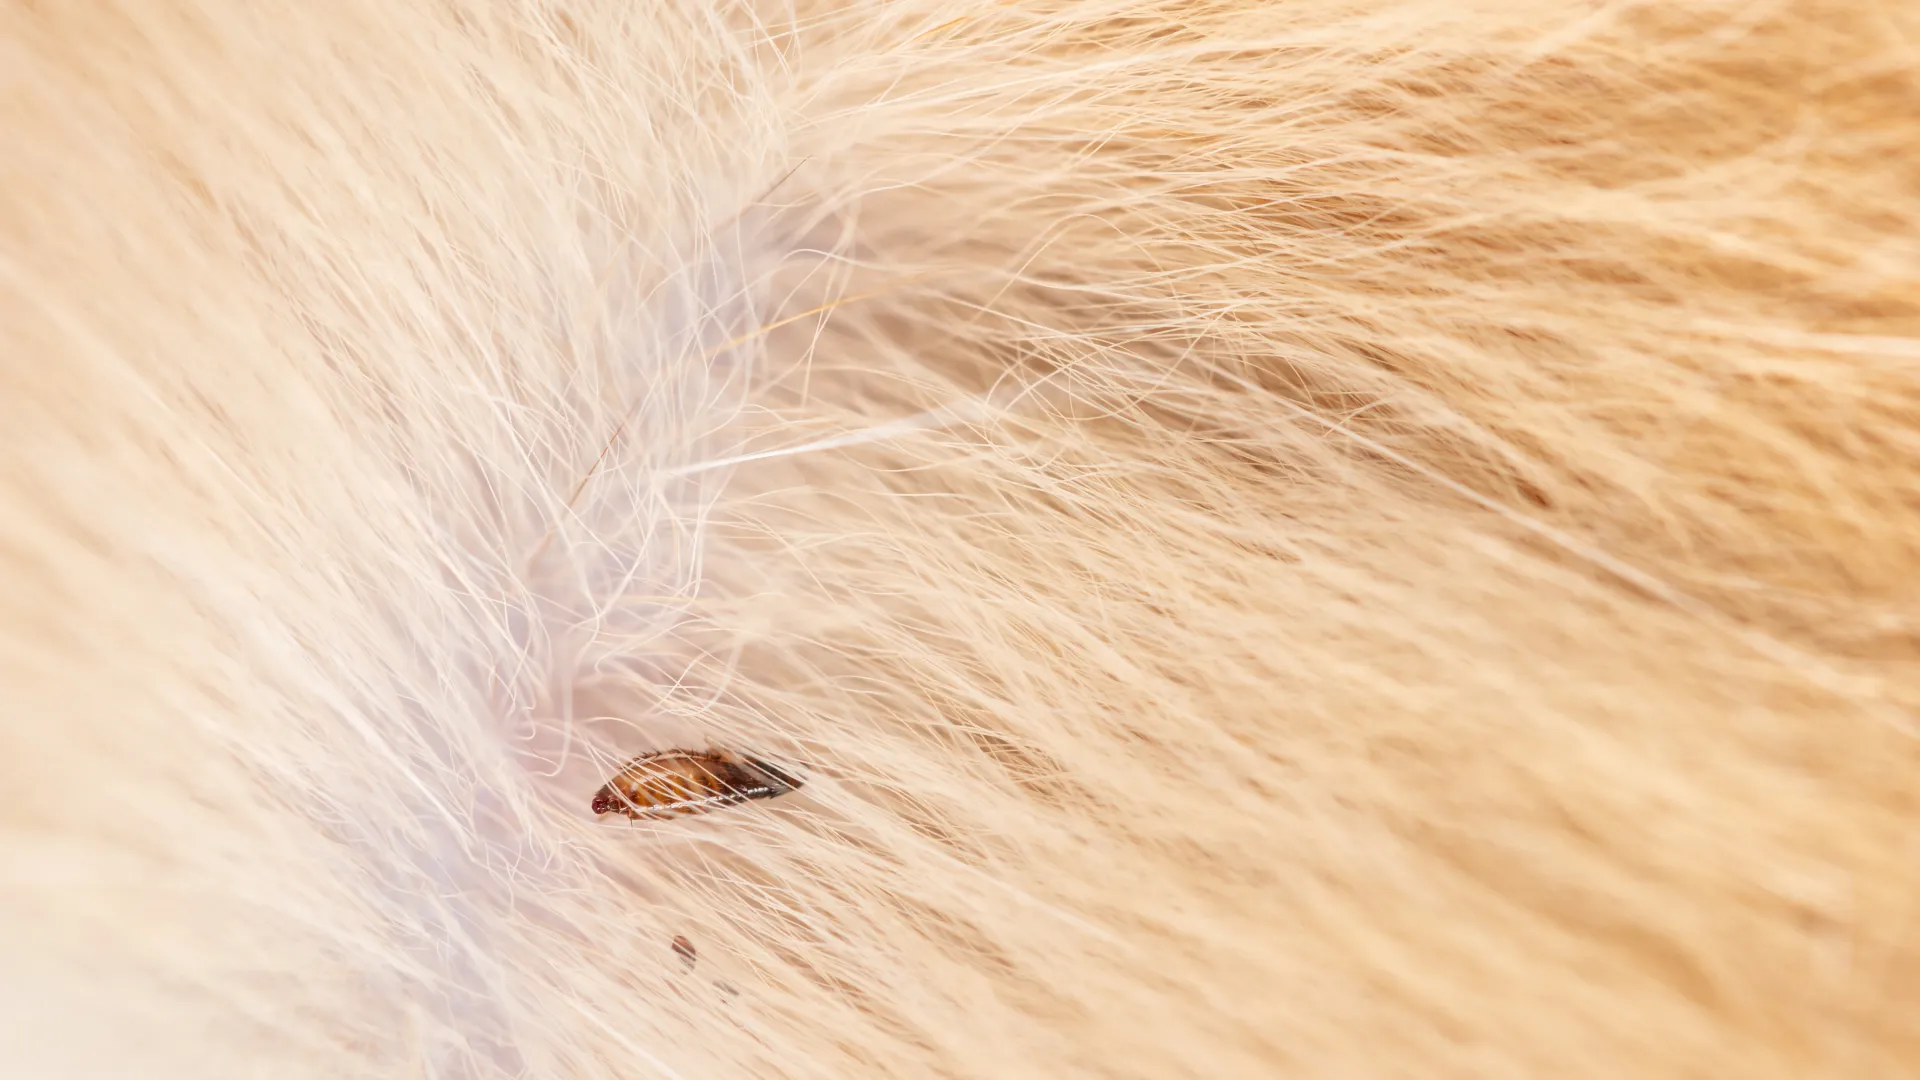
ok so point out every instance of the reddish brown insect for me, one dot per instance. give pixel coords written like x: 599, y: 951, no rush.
x: 683, y: 949
x: 677, y: 783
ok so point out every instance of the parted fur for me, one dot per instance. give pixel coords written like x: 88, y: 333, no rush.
x: 1307, y: 538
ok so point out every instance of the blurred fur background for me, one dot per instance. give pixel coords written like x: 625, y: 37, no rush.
x: 1320, y: 538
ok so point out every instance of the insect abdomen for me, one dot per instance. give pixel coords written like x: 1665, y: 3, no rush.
x: 678, y: 783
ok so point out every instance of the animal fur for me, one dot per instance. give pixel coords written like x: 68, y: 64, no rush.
x: 1315, y: 538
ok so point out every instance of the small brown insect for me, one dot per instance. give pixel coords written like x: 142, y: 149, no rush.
x: 683, y: 949
x: 676, y: 783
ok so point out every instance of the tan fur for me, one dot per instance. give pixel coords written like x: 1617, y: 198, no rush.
x: 1333, y: 539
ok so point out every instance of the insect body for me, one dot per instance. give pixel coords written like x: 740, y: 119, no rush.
x: 677, y: 783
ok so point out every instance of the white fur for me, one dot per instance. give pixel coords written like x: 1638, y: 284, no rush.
x: 1334, y: 539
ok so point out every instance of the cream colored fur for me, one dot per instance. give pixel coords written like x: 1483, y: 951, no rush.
x: 1290, y: 538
